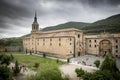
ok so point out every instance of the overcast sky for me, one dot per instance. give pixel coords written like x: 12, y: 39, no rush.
x: 16, y: 16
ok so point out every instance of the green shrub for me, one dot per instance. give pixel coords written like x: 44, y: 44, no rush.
x: 36, y: 65
x: 57, y: 60
x: 5, y: 59
x: 97, y: 63
x: 87, y: 76
x: 48, y: 74
x: 5, y: 73
x: 44, y: 55
x: 79, y: 72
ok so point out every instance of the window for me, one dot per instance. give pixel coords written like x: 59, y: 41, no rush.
x: 78, y: 35
x: 95, y: 40
x: 43, y: 39
x: 50, y: 39
x: 59, y: 44
x: 89, y: 40
x: 70, y: 39
x: 38, y: 43
x: 90, y: 45
x: 59, y: 39
x: 116, y: 46
x: 50, y: 44
x: 95, y: 45
x: 70, y: 43
x: 116, y: 41
x: 34, y: 27
x: 43, y: 43
x: 116, y: 51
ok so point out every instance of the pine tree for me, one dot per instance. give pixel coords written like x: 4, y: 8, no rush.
x: 16, y: 69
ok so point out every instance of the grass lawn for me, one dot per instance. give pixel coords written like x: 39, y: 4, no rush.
x: 30, y: 60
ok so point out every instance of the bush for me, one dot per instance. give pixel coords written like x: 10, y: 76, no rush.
x: 79, y: 72
x: 44, y: 55
x: 48, y: 74
x: 36, y: 65
x: 87, y: 76
x: 57, y: 60
x: 5, y: 73
x: 97, y: 63
x: 5, y: 59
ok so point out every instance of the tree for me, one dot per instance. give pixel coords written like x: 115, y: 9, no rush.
x: 16, y: 69
x: 108, y: 71
x: 109, y: 64
x: 11, y: 57
x: 5, y: 73
x: 80, y: 72
x: 87, y: 76
x: 5, y: 59
x: 97, y: 63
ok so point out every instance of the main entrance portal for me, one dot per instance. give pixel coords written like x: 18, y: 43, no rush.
x: 105, y: 47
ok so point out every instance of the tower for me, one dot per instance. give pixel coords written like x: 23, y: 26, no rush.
x: 35, y: 25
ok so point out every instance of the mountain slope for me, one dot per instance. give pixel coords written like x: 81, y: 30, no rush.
x: 78, y: 25
x: 11, y: 41
x: 110, y: 24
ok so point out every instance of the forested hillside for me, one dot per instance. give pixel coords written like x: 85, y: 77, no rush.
x: 11, y: 42
x: 110, y: 24
x: 78, y: 25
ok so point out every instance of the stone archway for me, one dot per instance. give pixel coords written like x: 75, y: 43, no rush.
x: 105, y: 46
x: 79, y: 51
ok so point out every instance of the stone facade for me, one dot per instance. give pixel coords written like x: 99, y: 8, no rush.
x: 70, y: 42
x: 102, y: 44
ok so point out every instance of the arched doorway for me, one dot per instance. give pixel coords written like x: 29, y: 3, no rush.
x: 105, y: 47
x: 79, y: 53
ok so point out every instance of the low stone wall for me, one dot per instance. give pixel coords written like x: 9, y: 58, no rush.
x: 11, y: 49
x: 2, y: 48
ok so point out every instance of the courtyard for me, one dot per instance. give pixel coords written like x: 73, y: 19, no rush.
x: 85, y: 62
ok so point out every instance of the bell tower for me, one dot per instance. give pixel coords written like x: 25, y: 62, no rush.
x: 35, y: 25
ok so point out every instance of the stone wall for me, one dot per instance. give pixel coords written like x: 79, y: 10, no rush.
x: 11, y: 49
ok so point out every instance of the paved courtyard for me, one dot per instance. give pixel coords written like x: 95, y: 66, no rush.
x: 85, y: 62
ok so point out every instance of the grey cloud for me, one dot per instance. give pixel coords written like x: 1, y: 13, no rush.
x: 18, y: 14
